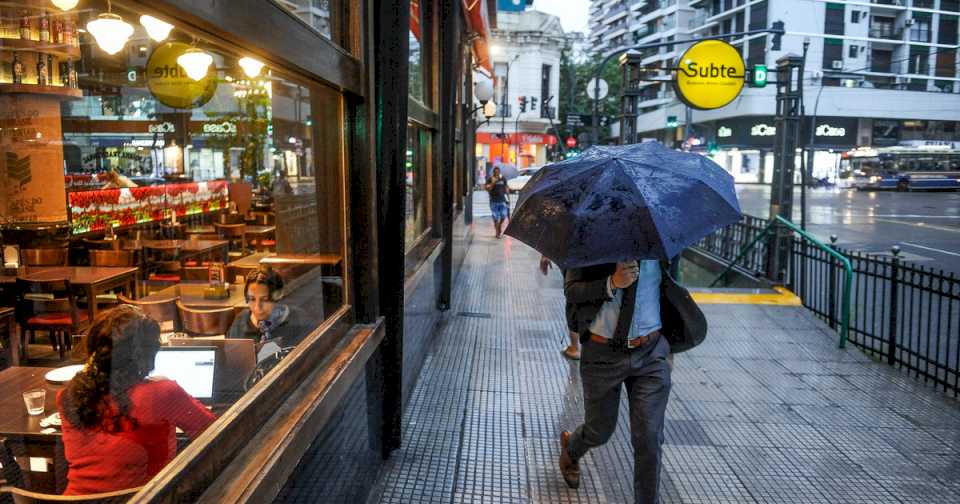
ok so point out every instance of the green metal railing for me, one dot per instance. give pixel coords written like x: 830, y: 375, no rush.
x: 847, y: 284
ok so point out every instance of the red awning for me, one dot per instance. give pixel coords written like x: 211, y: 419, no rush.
x: 415, y: 18
x: 517, y: 138
x: 477, y: 18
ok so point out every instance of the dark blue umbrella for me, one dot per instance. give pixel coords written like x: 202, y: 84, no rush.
x: 610, y: 204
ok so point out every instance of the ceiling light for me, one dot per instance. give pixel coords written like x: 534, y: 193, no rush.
x: 250, y: 66
x: 158, y: 30
x: 195, y: 62
x: 65, y: 4
x: 110, y: 31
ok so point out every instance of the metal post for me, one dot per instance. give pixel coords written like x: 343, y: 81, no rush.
x: 803, y: 164
x: 832, y: 289
x: 781, y: 194
x: 894, y: 305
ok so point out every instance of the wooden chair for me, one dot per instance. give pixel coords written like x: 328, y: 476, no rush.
x: 44, y: 257
x: 195, y: 273
x: 176, y: 231
x: 234, y: 233
x: 231, y: 218
x: 164, y: 310
x: 204, y: 322
x: 163, y: 265
x: 21, y: 496
x: 49, y: 305
x: 111, y: 258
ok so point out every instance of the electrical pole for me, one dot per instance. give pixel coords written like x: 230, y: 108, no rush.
x: 789, y: 80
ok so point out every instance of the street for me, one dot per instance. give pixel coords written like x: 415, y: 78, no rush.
x: 926, y: 225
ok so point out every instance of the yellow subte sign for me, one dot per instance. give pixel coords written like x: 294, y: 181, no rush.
x: 710, y: 74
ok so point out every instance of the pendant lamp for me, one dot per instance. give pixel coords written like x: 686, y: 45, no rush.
x: 65, y: 5
x: 157, y: 30
x: 250, y: 66
x: 195, y: 62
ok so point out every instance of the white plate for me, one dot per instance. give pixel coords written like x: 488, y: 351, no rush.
x: 64, y: 374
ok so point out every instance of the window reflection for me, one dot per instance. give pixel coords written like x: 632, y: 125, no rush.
x: 416, y: 52
x: 417, y: 179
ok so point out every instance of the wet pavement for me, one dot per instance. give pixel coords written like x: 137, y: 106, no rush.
x: 767, y: 410
x: 926, y: 225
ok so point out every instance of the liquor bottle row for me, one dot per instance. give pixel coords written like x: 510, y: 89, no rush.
x: 43, y: 27
x: 39, y: 69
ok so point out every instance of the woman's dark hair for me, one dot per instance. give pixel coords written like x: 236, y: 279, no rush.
x: 122, y: 344
x: 266, y: 277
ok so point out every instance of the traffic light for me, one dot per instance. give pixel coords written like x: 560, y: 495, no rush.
x: 523, y: 103
x: 672, y: 122
x: 775, y: 43
x: 533, y: 103
x: 758, y: 76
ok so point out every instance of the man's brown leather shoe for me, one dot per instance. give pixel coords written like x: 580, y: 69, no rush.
x: 569, y: 468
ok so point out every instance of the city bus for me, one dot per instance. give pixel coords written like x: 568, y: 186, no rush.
x: 904, y: 168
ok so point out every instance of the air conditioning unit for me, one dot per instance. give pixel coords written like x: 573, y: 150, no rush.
x: 910, y: 21
x: 837, y: 64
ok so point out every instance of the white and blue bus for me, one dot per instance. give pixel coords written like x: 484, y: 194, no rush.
x: 905, y: 168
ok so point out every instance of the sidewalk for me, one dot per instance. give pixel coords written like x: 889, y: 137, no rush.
x: 767, y: 410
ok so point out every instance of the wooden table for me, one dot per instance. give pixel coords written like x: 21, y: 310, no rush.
x: 14, y: 420
x: 191, y: 294
x: 94, y: 280
x: 243, y: 266
x: 188, y: 248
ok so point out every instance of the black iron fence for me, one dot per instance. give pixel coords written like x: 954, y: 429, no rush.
x: 903, y: 313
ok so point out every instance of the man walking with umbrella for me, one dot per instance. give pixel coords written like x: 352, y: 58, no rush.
x: 613, y: 218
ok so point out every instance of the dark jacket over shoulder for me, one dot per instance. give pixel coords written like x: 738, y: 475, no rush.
x: 290, y: 332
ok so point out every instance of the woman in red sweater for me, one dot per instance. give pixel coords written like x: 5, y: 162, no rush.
x: 119, y: 425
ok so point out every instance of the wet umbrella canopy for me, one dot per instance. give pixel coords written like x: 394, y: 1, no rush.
x: 639, y: 201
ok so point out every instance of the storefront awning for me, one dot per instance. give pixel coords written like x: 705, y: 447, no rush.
x: 479, y: 23
x: 517, y: 138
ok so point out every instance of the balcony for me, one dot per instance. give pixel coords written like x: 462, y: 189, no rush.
x: 615, y: 15
x: 887, y: 33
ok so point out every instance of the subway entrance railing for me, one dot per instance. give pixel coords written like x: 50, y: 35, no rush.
x: 902, y: 313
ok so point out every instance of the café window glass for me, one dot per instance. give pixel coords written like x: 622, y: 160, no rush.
x: 417, y: 185
x: 174, y: 167
x: 417, y: 65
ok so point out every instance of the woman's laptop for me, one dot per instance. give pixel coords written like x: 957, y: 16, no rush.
x: 235, y: 361
x: 193, y: 368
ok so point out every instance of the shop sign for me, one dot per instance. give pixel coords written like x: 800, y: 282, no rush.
x: 169, y: 82
x: 516, y: 138
x: 166, y: 127
x: 724, y: 132
x: 763, y: 130
x: 825, y: 130
x: 224, y: 128
x: 710, y: 74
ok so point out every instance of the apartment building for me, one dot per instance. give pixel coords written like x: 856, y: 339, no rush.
x: 882, y: 72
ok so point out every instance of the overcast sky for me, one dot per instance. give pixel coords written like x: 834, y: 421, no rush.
x: 573, y: 13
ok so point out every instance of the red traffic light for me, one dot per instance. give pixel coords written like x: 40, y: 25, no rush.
x: 571, y: 142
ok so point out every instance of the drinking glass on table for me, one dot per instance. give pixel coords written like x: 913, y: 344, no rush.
x: 35, y: 399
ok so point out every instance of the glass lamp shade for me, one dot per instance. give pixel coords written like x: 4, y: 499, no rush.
x: 490, y: 109
x: 65, y: 4
x: 483, y: 91
x: 156, y: 29
x: 195, y: 62
x: 250, y: 66
x: 110, y: 31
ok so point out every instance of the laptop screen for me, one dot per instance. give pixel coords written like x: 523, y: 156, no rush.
x: 191, y: 367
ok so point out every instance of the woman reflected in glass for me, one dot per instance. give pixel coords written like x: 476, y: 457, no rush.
x: 119, y: 424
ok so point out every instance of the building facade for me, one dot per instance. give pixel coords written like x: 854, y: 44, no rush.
x: 877, y: 74
x: 525, y: 49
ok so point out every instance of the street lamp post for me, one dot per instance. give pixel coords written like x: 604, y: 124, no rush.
x: 505, y: 102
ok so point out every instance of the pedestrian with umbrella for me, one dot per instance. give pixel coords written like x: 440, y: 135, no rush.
x: 613, y: 218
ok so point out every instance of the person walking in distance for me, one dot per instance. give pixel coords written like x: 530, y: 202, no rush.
x: 616, y: 308
x: 496, y: 186
x: 572, y: 351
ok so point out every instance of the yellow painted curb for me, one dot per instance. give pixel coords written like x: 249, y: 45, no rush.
x: 783, y: 297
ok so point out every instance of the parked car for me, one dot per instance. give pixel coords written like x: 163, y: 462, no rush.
x: 516, y: 183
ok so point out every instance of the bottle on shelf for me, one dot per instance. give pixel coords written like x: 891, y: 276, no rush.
x: 25, y: 29
x: 45, y: 28
x: 74, y: 35
x: 71, y: 75
x: 50, y: 70
x: 41, y: 70
x: 58, y: 31
x: 17, y: 69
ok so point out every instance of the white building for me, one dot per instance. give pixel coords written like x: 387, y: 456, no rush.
x: 882, y: 72
x: 525, y: 48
